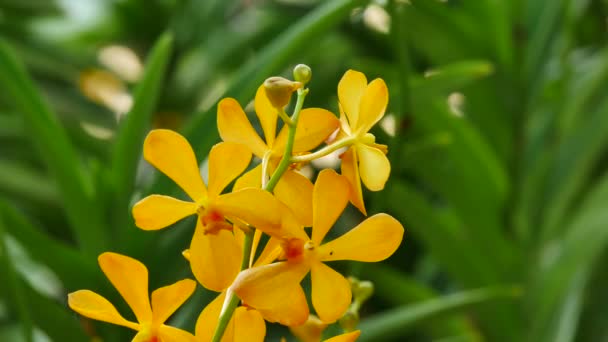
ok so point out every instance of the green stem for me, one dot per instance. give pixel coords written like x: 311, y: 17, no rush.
x: 232, y: 302
x: 324, y: 151
x: 286, y: 119
x: 286, y: 160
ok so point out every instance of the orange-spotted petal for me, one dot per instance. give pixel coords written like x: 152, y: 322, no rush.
x: 374, y: 239
x: 171, y: 334
x: 350, y: 91
x: 314, y: 126
x: 348, y: 337
x: 272, y: 250
x: 207, y: 320
x: 295, y: 191
x: 254, y: 206
x: 233, y: 126
x: 331, y: 293
x: 167, y: 299
x: 226, y: 162
x: 330, y: 197
x: 158, y: 211
x: 374, y: 167
x: 373, y: 105
x: 92, y: 305
x: 171, y: 153
x: 267, y: 115
x: 350, y: 170
x: 215, y: 258
x: 130, y: 278
x: 274, y: 290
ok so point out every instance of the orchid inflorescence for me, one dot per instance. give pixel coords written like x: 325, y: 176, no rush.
x: 272, y: 198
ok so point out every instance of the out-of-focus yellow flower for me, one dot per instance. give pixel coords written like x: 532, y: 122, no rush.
x: 362, y: 105
x: 314, y: 126
x: 274, y: 290
x: 130, y: 278
x: 312, y: 330
x: 348, y: 337
x: 246, y: 324
x: 215, y: 255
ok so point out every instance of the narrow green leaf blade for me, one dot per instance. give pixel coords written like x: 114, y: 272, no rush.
x: 397, y: 321
x: 52, y: 143
x: 129, y: 142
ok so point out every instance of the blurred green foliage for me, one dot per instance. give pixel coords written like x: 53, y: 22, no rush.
x: 497, y: 136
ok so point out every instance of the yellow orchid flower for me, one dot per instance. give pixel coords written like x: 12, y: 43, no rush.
x: 246, y: 324
x: 274, y: 290
x: 215, y: 254
x: 130, y: 278
x: 362, y: 105
x: 314, y: 126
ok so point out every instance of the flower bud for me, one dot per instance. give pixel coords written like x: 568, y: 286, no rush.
x: 302, y: 73
x: 350, y: 320
x: 279, y: 90
x: 364, y: 291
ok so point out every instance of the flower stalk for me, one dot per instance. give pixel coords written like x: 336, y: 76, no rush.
x: 231, y: 302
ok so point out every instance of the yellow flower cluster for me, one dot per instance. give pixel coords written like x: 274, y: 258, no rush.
x: 271, y: 199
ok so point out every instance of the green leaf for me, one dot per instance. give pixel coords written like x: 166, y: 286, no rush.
x: 15, y: 290
x: 563, y: 259
x: 395, y: 322
x: 56, y: 151
x: 74, y: 269
x: 451, y: 77
x: 396, y: 288
x: 573, y: 164
x: 129, y: 141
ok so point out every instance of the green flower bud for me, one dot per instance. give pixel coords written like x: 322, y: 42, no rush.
x: 279, y: 90
x: 302, y: 73
x: 349, y: 321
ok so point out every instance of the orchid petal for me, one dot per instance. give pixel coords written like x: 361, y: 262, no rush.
x: 267, y: 115
x: 374, y: 239
x: 274, y: 290
x: 171, y: 334
x: 167, y: 299
x: 331, y: 293
x: 295, y: 191
x: 92, y: 305
x: 350, y: 91
x: 374, y: 167
x: 314, y: 126
x: 226, y: 162
x: 373, y: 105
x: 233, y: 126
x: 130, y: 278
x: 330, y: 197
x: 158, y: 211
x: 254, y: 206
x: 207, y: 320
x: 215, y: 258
x: 350, y: 170
x: 171, y: 154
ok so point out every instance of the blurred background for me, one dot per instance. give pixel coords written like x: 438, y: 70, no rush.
x: 497, y: 129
